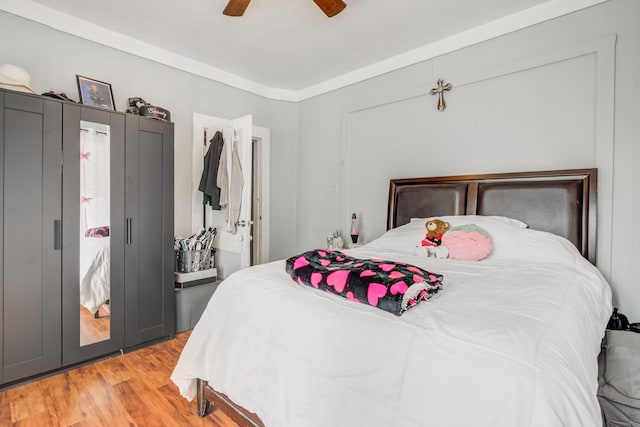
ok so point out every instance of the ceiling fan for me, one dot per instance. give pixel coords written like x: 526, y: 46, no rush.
x: 329, y: 7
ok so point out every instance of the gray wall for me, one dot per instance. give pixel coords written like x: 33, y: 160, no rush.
x: 54, y: 58
x: 562, y: 94
x: 283, y: 119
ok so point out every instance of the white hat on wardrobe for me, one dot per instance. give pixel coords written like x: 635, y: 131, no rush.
x: 15, y: 78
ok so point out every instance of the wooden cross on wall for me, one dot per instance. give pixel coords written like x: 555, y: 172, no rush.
x: 439, y: 90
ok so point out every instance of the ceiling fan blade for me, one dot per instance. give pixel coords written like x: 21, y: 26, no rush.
x: 236, y: 7
x: 331, y: 7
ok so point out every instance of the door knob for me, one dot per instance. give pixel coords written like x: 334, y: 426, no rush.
x: 243, y: 223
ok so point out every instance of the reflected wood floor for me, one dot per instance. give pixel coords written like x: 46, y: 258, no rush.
x: 93, y: 329
x: 126, y: 390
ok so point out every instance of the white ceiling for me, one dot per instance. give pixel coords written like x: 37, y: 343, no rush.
x: 290, y: 45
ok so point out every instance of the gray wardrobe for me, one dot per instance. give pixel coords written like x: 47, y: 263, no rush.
x: 86, y: 225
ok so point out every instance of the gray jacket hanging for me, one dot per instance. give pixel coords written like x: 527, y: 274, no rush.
x: 208, y: 183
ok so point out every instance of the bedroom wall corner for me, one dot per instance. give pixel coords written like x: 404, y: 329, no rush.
x: 283, y: 120
x: 319, y: 171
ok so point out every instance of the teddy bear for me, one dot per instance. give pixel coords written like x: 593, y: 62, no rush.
x: 433, y: 239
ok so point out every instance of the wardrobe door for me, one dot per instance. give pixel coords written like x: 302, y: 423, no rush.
x: 149, y: 282
x: 93, y: 233
x: 30, y: 255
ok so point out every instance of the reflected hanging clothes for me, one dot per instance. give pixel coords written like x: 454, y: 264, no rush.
x: 208, y: 180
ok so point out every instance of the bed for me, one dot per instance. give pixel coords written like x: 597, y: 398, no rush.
x: 509, y: 340
x: 95, y: 272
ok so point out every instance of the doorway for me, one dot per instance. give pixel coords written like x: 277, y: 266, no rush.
x: 259, y: 197
x: 248, y: 243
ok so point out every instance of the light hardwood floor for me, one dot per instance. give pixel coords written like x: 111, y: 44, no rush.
x: 126, y: 390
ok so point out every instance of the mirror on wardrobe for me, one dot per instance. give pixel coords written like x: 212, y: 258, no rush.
x: 95, y: 228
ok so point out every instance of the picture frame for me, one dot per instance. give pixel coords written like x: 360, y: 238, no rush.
x: 95, y: 93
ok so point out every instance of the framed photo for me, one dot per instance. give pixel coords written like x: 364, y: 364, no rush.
x: 95, y: 93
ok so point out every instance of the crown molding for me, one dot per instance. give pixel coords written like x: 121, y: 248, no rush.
x: 68, y: 24
x: 490, y: 30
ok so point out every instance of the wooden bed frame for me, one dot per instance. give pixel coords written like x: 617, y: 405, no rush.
x: 562, y: 202
x: 209, y: 400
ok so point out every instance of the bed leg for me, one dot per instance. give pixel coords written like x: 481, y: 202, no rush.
x: 203, y: 402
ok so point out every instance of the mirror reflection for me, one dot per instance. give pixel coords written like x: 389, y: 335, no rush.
x: 95, y: 229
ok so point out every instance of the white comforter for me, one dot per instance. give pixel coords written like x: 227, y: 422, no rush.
x: 95, y: 272
x: 505, y: 343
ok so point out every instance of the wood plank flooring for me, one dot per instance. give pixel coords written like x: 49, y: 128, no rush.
x: 126, y: 390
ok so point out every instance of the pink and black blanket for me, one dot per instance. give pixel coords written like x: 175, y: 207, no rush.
x: 389, y: 285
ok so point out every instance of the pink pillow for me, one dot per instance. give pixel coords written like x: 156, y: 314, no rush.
x: 467, y: 243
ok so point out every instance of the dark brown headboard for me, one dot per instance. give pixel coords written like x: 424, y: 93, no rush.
x: 562, y: 202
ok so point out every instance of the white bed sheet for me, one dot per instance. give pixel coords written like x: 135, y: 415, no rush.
x: 505, y: 343
x: 95, y: 272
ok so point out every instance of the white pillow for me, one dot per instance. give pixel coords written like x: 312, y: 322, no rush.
x: 531, y: 245
x: 401, y: 239
x: 479, y: 220
x: 511, y: 239
x: 404, y: 239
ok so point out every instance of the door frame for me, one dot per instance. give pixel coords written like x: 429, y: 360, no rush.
x: 260, y: 134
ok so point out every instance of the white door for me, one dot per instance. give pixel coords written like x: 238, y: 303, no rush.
x: 233, y: 248
x: 244, y: 147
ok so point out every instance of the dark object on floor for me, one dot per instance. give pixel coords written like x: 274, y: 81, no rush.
x: 618, y: 321
x: 619, y: 379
